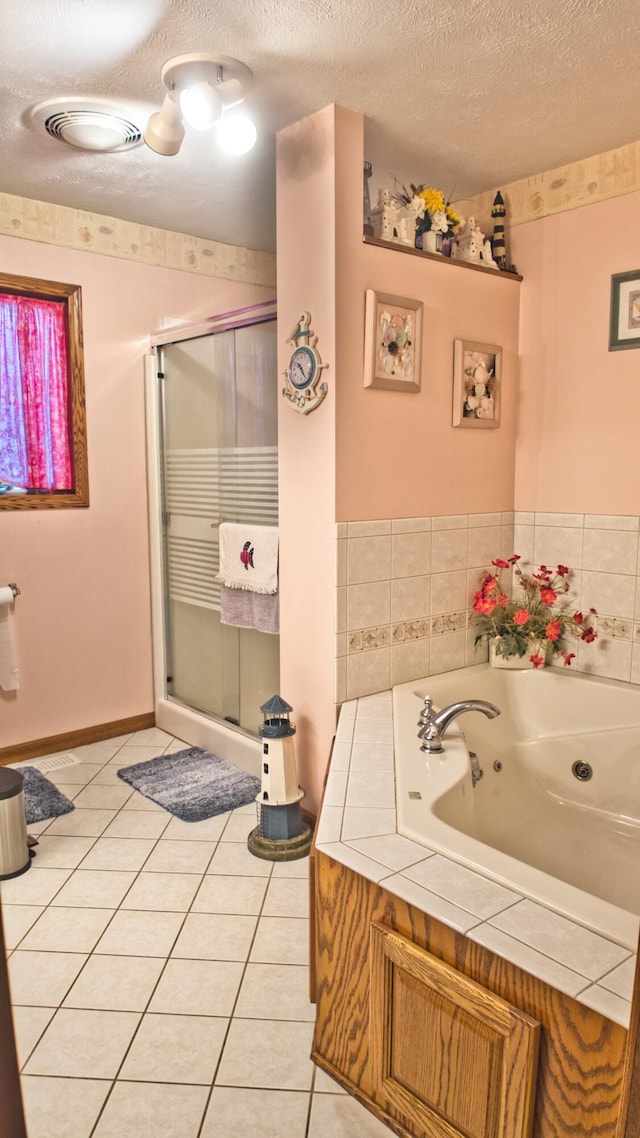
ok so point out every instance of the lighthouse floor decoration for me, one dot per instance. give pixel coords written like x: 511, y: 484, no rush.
x: 281, y: 834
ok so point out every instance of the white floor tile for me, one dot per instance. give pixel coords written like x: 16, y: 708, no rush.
x: 175, y: 1049
x: 197, y: 987
x: 230, y: 895
x: 92, y: 797
x: 17, y: 920
x: 342, y: 1117
x: 269, y: 1054
x: 107, y: 776
x: 147, y: 805
x: 28, y: 1025
x: 35, y: 887
x: 281, y: 940
x: 238, y: 828
x: 287, y: 898
x: 208, y: 831
x: 115, y: 983
x: 136, y: 933
x: 57, y: 852
x: 232, y: 858
x: 138, y: 824
x: 148, y: 1110
x: 324, y: 1084
x: 118, y: 853
x: 85, y: 823
x: 162, y: 892
x: 43, y: 978
x: 132, y: 753
x: 275, y: 991
x: 151, y: 737
x: 298, y: 867
x: 93, y: 887
x: 215, y: 936
x: 238, y: 1112
x: 180, y: 857
x: 83, y: 1044
x: 78, y: 774
x: 67, y: 930
x: 147, y: 911
x: 62, y: 1108
x: 97, y: 752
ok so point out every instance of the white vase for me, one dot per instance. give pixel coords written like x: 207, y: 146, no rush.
x: 538, y: 648
x: 429, y: 241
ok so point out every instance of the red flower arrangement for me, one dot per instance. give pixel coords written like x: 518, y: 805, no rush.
x: 533, y: 622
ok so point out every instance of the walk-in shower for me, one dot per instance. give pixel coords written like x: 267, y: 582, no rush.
x: 212, y: 457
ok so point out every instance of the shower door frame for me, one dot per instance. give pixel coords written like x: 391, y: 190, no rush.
x: 198, y: 728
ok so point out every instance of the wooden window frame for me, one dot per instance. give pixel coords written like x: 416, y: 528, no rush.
x: 72, y: 300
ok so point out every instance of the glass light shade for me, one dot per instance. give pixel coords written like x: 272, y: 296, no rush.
x: 237, y: 134
x: 201, y: 105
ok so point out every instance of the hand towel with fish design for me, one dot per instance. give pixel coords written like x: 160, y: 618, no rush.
x: 249, y: 557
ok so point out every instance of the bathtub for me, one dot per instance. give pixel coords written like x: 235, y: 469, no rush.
x: 530, y: 823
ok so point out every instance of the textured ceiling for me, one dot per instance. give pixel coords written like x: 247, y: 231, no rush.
x: 466, y: 95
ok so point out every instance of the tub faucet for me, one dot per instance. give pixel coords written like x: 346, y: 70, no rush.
x: 433, y: 727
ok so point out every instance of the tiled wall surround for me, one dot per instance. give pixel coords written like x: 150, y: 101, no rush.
x: 405, y: 589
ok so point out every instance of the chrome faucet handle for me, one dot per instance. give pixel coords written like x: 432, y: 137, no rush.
x: 431, y: 740
x: 425, y: 714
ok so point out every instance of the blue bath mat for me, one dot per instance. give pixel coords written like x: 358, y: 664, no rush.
x: 42, y: 800
x: 192, y: 784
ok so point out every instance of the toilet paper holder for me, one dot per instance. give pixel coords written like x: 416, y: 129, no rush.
x: 14, y: 589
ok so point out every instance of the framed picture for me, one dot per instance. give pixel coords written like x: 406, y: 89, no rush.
x: 477, y: 385
x: 624, y: 324
x: 392, y: 342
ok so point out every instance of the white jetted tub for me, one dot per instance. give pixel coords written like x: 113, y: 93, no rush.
x: 529, y: 822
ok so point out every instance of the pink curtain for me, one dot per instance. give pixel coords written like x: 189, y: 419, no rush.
x: 34, y: 411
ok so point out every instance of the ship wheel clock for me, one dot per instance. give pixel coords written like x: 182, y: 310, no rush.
x: 303, y: 388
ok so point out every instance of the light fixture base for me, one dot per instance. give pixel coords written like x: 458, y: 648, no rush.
x: 205, y: 67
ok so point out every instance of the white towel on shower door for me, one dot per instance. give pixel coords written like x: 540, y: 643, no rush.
x: 249, y: 557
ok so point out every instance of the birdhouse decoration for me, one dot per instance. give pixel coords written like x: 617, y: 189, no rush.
x: 281, y: 834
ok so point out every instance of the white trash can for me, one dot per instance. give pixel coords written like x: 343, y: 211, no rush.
x: 14, y: 847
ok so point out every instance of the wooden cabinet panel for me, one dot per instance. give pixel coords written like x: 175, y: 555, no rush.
x: 581, y: 1052
x: 446, y: 1053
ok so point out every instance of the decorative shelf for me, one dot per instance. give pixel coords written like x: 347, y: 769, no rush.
x: 399, y: 248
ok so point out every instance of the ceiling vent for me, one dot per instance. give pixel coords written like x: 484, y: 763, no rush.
x: 90, y: 124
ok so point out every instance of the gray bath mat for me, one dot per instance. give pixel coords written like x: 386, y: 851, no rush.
x: 192, y: 784
x: 42, y: 800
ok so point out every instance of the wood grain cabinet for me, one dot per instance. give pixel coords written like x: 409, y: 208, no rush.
x: 441, y: 1038
x: 448, y: 1055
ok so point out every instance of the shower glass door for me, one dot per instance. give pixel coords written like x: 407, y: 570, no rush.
x: 219, y: 441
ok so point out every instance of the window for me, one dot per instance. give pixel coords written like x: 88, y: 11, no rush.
x: 43, y: 449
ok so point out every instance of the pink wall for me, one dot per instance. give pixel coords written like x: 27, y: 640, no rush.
x: 306, y: 259
x: 398, y: 454
x: 366, y: 454
x: 82, y: 625
x: 579, y: 406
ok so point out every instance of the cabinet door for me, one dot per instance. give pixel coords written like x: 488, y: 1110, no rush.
x: 450, y: 1059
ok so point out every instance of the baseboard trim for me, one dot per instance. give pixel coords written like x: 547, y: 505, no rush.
x: 84, y: 735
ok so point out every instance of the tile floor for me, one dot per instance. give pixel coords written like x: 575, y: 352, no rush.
x: 159, y: 972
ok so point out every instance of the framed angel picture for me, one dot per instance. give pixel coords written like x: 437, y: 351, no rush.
x: 477, y: 376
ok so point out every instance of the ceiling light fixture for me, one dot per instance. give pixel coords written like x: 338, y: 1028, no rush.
x: 201, y: 88
x: 88, y: 123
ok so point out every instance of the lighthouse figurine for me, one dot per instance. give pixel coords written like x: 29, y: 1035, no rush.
x: 281, y: 834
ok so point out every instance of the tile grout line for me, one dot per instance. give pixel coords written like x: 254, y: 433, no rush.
x: 202, y: 876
